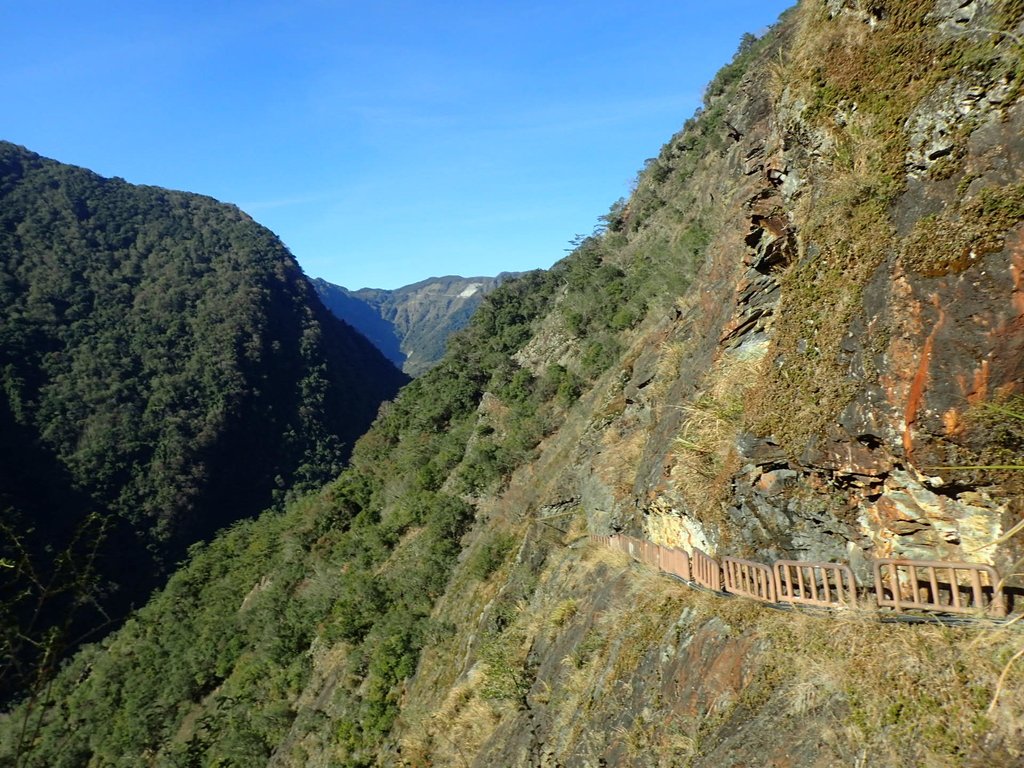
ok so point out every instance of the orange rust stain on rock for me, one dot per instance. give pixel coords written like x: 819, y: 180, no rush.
x: 952, y: 422
x: 979, y: 388
x: 920, y: 381
x: 1017, y: 273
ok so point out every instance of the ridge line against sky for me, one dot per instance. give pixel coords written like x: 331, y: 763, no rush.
x: 383, y: 142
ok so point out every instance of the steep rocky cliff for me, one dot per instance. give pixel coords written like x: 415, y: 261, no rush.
x: 847, y: 356
x: 800, y: 337
x: 849, y: 353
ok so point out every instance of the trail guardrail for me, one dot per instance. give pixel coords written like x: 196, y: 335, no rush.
x: 931, y: 586
x: 745, y: 577
x: 937, y: 585
x: 706, y: 570
x: 829, y: 585
x: 676, y: 561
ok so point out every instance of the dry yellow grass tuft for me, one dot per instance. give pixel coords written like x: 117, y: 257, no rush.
x: 705, y: 451
x: 910, y: 694
x: 619, y: 462
x: 667, y: 371
x: 454, y: 734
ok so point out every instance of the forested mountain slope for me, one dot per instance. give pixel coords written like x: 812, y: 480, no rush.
x: 166, y: 370
x: 411, y: 324
x: 801, y: 337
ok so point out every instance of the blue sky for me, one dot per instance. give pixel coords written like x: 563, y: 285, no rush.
x: 384, y: 142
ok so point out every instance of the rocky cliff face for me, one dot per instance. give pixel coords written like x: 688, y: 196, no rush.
x: 837, y: 384
x: 410, y: 325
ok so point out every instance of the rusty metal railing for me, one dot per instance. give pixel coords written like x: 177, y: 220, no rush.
x: 676, y: 562
x: 935, y: 585
x: 745, y: 577
x: 924, y: 585
x: 650, y: 553
x: 706, y: 570
x: 808, y: 583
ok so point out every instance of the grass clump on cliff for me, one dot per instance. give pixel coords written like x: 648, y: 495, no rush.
x: 988, y: 449
x: 1003, y: 426
x: 704, y: 454
x: 954, y: 240
x: 909, y: 694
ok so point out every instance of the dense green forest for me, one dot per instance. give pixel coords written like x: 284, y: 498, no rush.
x: 166, y: 370
x: 317, y: 570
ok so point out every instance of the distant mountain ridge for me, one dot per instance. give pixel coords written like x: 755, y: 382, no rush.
x: 410, y: 325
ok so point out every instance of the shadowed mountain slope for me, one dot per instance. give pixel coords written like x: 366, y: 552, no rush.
x: 166, y: 370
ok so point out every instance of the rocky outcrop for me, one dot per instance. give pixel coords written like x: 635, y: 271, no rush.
x: 927, y: 345
x: 820, y: 392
